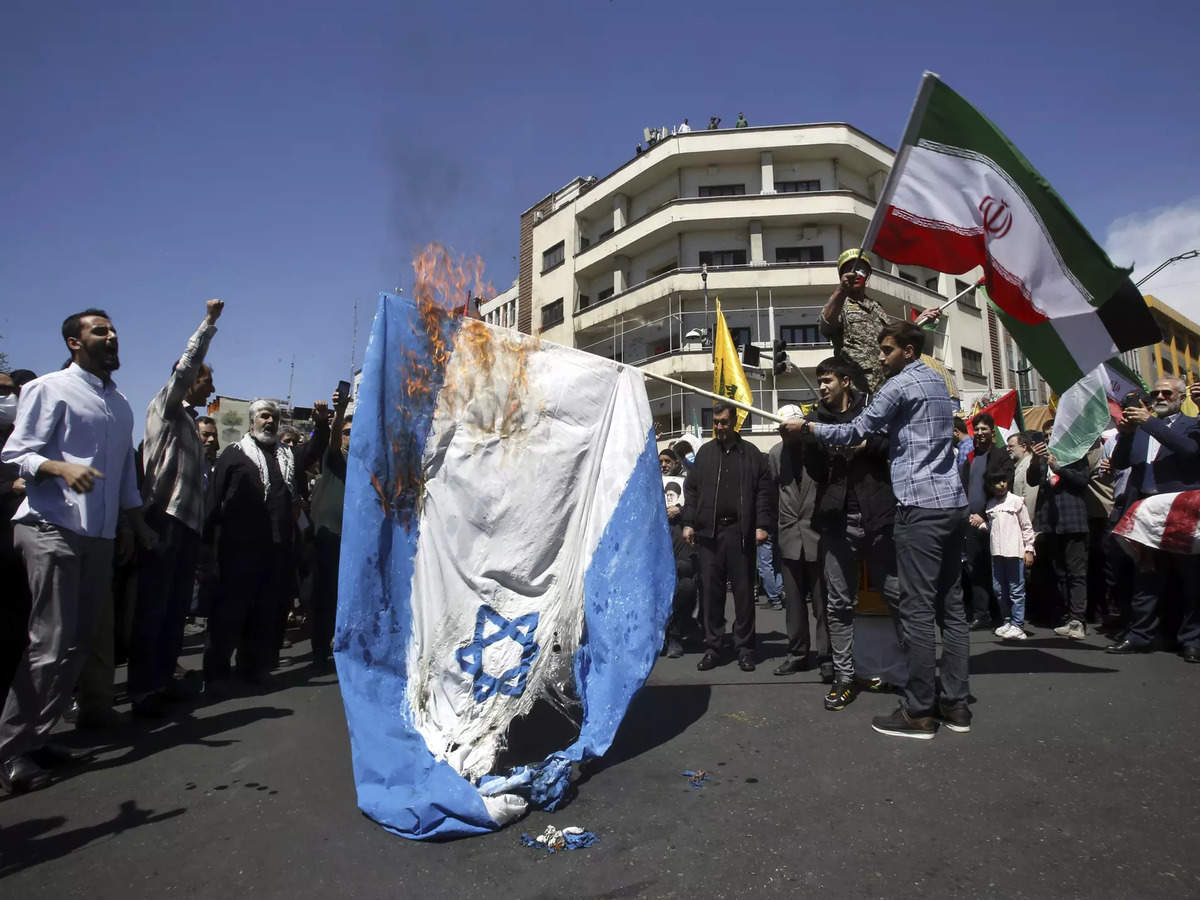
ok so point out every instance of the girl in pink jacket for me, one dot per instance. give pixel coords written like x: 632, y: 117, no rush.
x: 1011, y: 539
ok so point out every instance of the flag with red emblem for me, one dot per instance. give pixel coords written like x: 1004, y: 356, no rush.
x: 1169, y: 522
x: 960, y: 195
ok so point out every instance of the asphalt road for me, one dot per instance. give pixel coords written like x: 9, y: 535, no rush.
x: 1079, y: 778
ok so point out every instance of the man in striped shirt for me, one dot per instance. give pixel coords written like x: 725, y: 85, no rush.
x: 914, y: 410
x: 174, y: 493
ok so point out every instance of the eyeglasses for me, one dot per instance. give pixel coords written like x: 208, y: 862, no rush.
x: 345, y: 431
x: 1167, y: 394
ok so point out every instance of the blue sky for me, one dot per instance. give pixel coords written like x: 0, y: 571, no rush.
x: 289, y: 158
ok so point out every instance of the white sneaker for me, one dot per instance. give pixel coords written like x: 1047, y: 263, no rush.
x: 1015, y: 633
x: 1002, y: 631
x: 1074, y: 630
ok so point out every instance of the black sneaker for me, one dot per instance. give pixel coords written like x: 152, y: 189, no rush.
x: 746, y: 662
x: 841, y: 694
x: 710, y: 660
x: 901, y: 724
x: 956, y: 718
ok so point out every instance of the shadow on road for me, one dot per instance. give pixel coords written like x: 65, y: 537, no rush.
x: 658, y: 713
x: 25, y: 844
x: 1026, y: 660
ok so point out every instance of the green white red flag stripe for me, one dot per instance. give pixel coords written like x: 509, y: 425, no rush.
x: 1169, y: 522
x: 960, y: 195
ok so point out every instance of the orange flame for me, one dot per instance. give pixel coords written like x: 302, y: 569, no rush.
x: 443, y: 290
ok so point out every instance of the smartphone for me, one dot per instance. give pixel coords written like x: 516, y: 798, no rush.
x: 343, y: 389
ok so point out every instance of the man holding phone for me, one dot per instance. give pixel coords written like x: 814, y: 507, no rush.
x: 1161, y: 448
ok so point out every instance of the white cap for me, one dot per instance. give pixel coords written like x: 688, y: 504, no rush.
x: 791, y: 411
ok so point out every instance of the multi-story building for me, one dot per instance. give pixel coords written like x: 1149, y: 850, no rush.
x: 1178, y: 353
x: 501, y: 310
x: 617, y: 265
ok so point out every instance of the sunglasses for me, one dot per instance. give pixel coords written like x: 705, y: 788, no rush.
x: 1167, y: 394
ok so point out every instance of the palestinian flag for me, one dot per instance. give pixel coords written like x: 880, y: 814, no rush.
x: 1006, y: 413
x: 1169, y: 522
x: 960, y: 195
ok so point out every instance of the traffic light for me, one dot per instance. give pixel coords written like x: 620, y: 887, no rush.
x: 780, y: 356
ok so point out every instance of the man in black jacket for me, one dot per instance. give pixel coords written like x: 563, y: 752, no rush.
x: 987, y: 462
x: 855, y: 512
x: 726, y: 513
x: 1162, y: 452
x: 1061, y: 517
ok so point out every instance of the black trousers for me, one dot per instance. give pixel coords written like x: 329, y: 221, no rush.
x: 1168, y: 587
x: 1069, y: 557
x: 1118, y: 578
x: 724, y: 558
x: 165, y: 585
x: 15, y: 607
x: 802, y: 585
x: 255, y: 581
x: 325, y: 592
x: 977, y: 576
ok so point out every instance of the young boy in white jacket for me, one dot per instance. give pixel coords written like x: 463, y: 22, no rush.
x: 1011, y: 540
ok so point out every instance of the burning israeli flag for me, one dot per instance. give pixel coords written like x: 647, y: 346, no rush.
x: 505, y: 543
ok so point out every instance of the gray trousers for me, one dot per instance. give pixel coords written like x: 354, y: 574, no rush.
x: 842, y: 549
x: 70, y: 580
x: 929, y: 562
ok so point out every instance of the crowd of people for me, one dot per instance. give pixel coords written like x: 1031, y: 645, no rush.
x: 104, y: 543
x: 107, y: 549
x: 957, y: 532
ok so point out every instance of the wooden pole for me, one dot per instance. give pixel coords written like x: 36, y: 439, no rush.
x: 703, y: 393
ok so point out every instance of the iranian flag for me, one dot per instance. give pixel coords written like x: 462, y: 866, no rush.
x: 960, y: 195
x: 1169, y: 522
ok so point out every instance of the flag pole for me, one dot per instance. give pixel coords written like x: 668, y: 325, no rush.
x: 703, y: 393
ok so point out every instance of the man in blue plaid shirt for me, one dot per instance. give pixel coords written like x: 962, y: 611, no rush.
x: 915, y: 411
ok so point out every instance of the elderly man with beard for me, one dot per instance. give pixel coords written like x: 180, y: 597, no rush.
x: 1162, y: 452
x: 255, y: 490
x: 174, y: 488
x: 73, y: 443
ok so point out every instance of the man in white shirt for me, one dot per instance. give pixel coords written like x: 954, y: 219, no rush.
x: 73, y: 443
x: 684, y: 128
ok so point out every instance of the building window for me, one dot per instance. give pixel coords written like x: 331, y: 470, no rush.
x: 741, y: 336
x: 972, y: 363
x: 967, y: 299
x: 801, y: 334
x: 584, y: 301
x: 584, y: 242
x: 604, y: 294
x: 553, y: 257
x: 552, y: 314
x: 799, y: 254
x: 796, y: 187
x: 722, y: 190
x: 932, y: 283
x: 908, y: 276
x: 722, y: 258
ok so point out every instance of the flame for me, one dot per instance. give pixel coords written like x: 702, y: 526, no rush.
x: 442, y: 291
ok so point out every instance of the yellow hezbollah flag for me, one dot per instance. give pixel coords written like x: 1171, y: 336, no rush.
x: 729, y: 379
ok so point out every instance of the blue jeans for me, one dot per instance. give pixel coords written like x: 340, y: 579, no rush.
x: 768, y: 571
x: 1008, y: 584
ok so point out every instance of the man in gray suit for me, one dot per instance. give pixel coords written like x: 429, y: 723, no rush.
x: 799, y: 549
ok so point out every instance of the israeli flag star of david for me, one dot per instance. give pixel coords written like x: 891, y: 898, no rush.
x: 504, y: 544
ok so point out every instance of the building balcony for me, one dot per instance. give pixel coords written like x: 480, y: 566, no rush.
x: 695, y: 213
x: 731, y: 146
x: 730, y: 281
